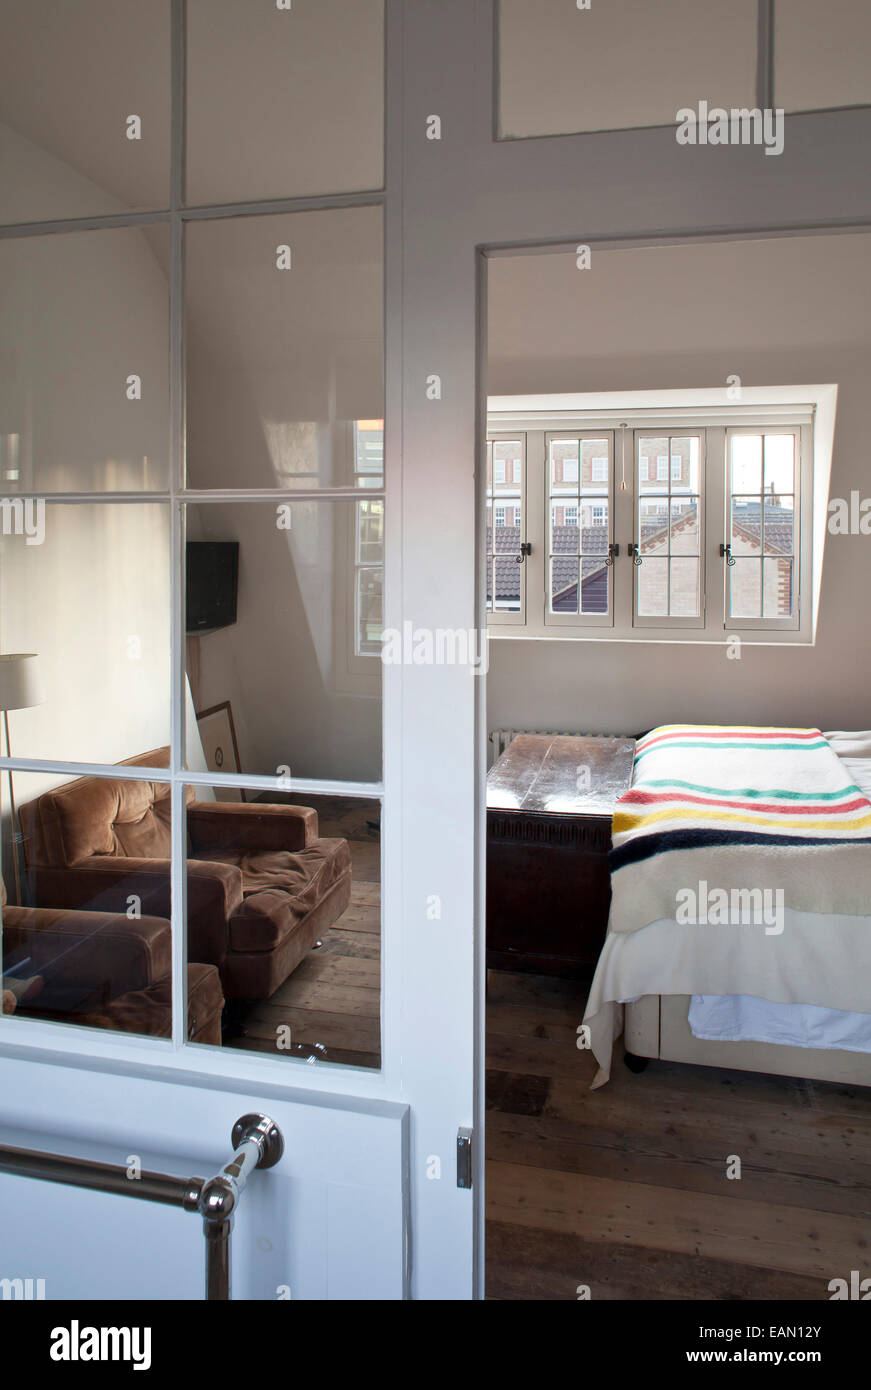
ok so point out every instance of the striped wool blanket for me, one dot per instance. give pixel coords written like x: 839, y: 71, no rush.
x: 742, y: 808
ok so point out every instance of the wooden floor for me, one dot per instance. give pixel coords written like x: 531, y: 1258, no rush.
x: 333, y: 998
x: 624, y: 1189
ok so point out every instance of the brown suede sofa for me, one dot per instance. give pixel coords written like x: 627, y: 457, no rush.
x: 262, y: 888
x: 104, y: 970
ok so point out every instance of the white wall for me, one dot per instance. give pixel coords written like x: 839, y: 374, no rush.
x: 773, y: 312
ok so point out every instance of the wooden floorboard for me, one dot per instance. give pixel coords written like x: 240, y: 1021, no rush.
x: 625, y: 1189
x: 333, y: 998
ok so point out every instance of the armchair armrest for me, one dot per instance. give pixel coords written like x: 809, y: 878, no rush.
x: 88, y: 953
x: 104, y: 882
x: 257, y: 825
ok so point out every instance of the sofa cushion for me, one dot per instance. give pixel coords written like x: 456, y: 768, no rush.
x: 280, y: 889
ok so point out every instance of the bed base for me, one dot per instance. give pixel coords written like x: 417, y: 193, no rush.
x: 657, y: 1025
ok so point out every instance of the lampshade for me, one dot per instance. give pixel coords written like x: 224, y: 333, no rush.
x: 20, y: 681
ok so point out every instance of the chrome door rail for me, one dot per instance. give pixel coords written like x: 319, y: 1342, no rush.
x: 257, y: 1143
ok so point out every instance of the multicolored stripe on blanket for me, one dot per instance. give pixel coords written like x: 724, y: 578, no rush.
x: 706, y: 785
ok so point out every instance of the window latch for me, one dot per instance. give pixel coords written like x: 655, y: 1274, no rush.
x: 525, y: 549
x: 726, y: 552
x: 613, y: 552
x: 635, y: 553
x: 464, y: 1157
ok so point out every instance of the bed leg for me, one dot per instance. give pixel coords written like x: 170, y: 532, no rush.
x: 634, y: 1063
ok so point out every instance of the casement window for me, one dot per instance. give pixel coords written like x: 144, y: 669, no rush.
x: 686, y: 528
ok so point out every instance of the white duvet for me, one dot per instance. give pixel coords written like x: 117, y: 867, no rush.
x: 746, y: 1018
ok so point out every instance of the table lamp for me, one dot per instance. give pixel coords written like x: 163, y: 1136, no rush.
x: 21, y: 687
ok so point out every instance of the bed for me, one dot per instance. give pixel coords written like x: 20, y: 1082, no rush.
x: 790, y: 998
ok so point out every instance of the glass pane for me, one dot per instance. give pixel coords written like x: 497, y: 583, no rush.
x: 564, y: 466
x: 746, y: 528
x: 622, y: 64
x: 83, y: 345
x: 507, y: 537
x: 508, y: 465
x: 86, y: 933
x: 285, y: 350
x: 506, y: 527
x: 509, y: 577
x: 299, y: 909
x: 821, y: 54
x: 283, y: 621
x: 489, y: 581
x: 84, y: 108
x: 370, y: 532
x: 777, y: 595
x: 746, y: 451
x: 85, y: 587
x: 779, y: 533
x: 565, y: 534
x: 594, y: 526
x: 745, y: 588
x: 684, y: 464
x: 563, y: 584
x: 779, y: 463
x: 369, y: 452
x: 653, y: 525
x: 653, y: 464
x: 652, y: 594
x: 594, y: 585
x: 683, y: 588
x: 285, y: 101
x: 595, y: 467
x: 369, y: 611
x: 684, y: 526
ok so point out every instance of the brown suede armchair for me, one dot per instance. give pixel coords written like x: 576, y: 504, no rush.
x: 103, y: 970
x: 261, y: 886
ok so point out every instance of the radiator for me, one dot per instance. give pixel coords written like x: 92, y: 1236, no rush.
x: 499, y: 739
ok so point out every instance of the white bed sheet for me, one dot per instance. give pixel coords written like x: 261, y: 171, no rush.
x: 744, y: 1018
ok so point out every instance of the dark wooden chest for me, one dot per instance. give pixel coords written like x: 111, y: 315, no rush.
x: 550, y: 800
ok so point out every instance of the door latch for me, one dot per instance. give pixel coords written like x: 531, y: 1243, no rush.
x: 464, y: 1157
x: 635, y: 552
x: 525, y: 549
x: 613, y: 552
x: 726, y: 552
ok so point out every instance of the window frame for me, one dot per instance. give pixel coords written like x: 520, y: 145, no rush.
x: 713, y: 424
